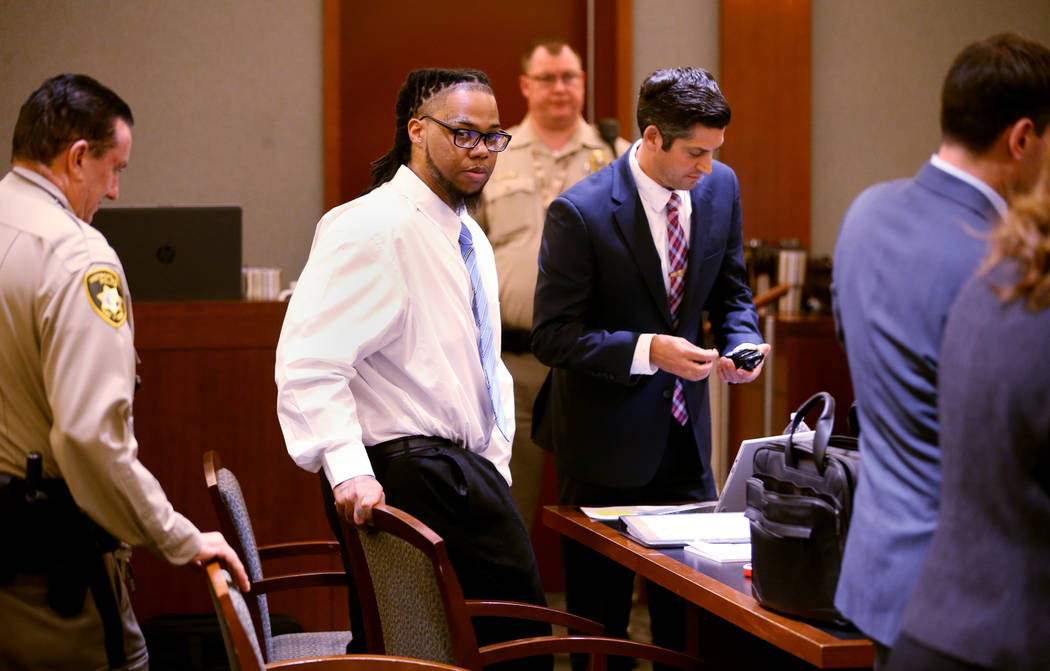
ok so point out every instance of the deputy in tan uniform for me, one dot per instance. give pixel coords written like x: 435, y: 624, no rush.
x: 553, y: 148
x: 67, y: 381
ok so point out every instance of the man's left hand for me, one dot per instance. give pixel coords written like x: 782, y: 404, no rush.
x: 728, y: 372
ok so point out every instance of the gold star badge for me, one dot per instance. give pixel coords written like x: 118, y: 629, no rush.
x: 106, y: 295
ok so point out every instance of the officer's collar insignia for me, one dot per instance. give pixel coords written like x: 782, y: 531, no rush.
x: 106, y: 295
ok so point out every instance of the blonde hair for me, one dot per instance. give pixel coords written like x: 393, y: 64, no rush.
x: 1024, y: 239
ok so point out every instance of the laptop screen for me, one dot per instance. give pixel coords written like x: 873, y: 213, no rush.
x: 733, y: 498
x: 176, y: 253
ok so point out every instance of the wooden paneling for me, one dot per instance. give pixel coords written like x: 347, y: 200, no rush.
x: 376, y: 44
x: 625, y: 107
x: 765, y: 76
x: 207, y: 383
x: 807, y: 358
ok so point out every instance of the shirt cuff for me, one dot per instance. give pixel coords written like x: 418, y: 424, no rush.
x: 344, y: 463
x: 640, y: 365
x: 743, y: 345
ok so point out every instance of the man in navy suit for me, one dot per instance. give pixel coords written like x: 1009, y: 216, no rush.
x: 903, y: 252
x: 631, y: 258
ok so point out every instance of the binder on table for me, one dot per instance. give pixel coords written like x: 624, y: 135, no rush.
x: 681, y: 529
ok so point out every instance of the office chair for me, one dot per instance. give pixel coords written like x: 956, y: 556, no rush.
x: 236, y: 525
x: 413, y: 604
x: 245, y: 654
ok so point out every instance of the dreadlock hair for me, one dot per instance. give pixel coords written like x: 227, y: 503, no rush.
x: 419, y: 87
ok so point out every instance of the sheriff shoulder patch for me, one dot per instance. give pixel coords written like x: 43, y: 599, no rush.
x: 106, y: 295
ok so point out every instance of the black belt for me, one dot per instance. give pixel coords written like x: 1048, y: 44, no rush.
x: 400, y: 447
x: 516, y: 341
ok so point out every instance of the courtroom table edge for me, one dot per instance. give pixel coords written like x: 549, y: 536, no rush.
x: 793, y: 636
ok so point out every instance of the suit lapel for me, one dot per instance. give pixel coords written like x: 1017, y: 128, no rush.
x: 634, y: 227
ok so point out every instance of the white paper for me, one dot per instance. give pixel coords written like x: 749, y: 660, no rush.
x: 611, y: 513
x: 711, y: 527
x: 721, y: 552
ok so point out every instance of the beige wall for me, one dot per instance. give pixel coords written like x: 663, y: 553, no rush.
x: 226, y: 98
x: 877, y: 73
x: 227, y: 95
x: 671, y: 33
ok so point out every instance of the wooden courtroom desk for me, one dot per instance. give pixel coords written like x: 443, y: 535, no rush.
x: 730, y: 625
x: 207, y: 372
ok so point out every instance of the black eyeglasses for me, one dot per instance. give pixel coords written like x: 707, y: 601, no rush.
x: 467, y: 138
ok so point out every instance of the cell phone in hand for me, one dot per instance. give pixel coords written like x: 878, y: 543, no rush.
x: 747, y: 359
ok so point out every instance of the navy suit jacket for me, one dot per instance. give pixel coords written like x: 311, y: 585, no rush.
x: 904, y: 250
x: 599, y: 288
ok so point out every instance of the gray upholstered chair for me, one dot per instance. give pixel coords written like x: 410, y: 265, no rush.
x: 236, y: 525
x: 414, y: 607
x: 245, y: 654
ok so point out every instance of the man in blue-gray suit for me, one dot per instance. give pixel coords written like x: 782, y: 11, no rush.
x: 904, y: 249
x: 630, y: 259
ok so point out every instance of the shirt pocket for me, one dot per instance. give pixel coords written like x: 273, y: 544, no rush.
x: 512, y: 207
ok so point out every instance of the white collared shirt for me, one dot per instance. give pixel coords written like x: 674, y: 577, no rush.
x: 991, y: 194
x: 380, y: 341
x: 654, y: 199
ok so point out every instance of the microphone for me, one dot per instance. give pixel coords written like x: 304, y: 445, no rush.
x: 609, y: 129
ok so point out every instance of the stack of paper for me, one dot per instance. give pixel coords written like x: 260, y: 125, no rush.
x: 721, y: 552
x: 678, y: 530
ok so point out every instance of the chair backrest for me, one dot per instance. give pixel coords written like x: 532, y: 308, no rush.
x: 403, y: 574
x: 242, y: 647
x: 236, y: 526
x: 238, y: 632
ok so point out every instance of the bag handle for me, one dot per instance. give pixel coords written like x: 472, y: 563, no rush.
x: 821, y: 431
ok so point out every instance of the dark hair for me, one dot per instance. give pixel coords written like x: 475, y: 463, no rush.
x: 675, y: 100
x: 552, y: 44
x: 63, y: 110
x: 1024, y: 238
x: 990, y: 85
x: 419, y: 87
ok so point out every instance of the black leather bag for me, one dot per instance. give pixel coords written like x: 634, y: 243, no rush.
x: 799, y: 503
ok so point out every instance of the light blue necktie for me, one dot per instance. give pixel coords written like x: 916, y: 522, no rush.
x: 486, y: 344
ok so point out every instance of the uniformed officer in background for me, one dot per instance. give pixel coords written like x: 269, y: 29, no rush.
x: 553, y: 148
x: 73, y: 495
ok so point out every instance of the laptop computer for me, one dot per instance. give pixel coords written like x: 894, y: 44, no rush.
x: 176, y: 253
x: 733, y: 498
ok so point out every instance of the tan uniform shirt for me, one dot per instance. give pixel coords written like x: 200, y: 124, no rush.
x: 527, y: 177
x: 67, y: 368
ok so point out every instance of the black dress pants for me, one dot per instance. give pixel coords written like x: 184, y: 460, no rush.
x: 463, y: 498
x: 599, y: 588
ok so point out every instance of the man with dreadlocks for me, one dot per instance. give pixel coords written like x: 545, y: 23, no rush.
x: 388, y: 369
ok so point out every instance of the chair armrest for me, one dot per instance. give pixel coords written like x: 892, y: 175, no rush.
x: 279, y: 550
x: 280, y: 583
x: 528, y: 611
x: 361, y: 663
x: 592, y: 645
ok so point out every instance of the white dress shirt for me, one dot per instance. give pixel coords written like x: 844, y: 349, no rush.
x: 380, y: 341
x: 654, y: 199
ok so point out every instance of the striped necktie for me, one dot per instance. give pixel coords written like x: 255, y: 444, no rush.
x: 486, y: 344
x: 677, y: 253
